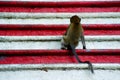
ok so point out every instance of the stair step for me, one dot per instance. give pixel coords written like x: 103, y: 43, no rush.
x: 61, y: 6
x: 40, y: 42
x: 57, y: 27
x: 61, y: 15
x: 61, y: 52
x: 58, y: 56
x: 52, y: 59
x: 60, y: 21
x: 59, y: 71
x: 40, y: 30
x: 60, y: 3
x: 30, y: 34
x: 70, y: 9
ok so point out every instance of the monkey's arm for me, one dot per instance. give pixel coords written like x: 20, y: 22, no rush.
x: 67, y: 30
x: 83, y: 40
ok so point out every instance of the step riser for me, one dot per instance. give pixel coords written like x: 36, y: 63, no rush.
x: 58, y: 27
x: 56, y: 33
x: 58, y: 59
x: 38, y: 52
x: 70, y: 9
x: 61, y: 4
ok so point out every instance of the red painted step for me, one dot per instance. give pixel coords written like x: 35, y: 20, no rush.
x: 60, y: 4
x: 21, y: 30
x: 59, y: 26
x: 70, y: 9
x: 57, y: 59
x: 60, y: 52
x: 79, y: 6
x: 58, y: 56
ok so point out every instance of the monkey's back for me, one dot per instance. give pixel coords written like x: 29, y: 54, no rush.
x: 73, y: 34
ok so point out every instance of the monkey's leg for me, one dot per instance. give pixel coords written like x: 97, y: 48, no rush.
x: 70, y: 47
x: 63, y: 45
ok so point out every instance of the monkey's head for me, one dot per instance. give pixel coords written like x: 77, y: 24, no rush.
x: 75, y: 19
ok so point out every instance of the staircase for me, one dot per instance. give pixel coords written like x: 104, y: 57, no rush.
x: 30, y: 34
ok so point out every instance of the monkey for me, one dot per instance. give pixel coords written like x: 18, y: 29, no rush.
x: 70, y: 39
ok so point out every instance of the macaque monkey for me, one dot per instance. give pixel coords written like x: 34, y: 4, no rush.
x: 71, y: 38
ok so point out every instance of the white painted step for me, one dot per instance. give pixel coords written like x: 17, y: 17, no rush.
x: 27, y: 15
x: 59, y: 72
x: 60, y: 21
x: 53, y: 42
x: 58, y: 18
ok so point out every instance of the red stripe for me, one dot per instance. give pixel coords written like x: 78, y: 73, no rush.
x: 70, y: 9
x: 56, y: 59
x: 61, y: 4
x: 54, y: 32
x: 59, y: 26
x: 22, y: 30
x: 61, y: 52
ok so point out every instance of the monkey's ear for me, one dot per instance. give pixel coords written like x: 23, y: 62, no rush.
x: 71, y: 20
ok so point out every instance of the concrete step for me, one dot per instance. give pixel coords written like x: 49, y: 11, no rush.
x: 40, y: 58
x: 40, y: 42
x: 59, y: 6
x: 60, y: 3
x: 61, y: 15
x: 60, y: 21
x: 30, y: 33
x: 40, y: 29
x: 59, y: 71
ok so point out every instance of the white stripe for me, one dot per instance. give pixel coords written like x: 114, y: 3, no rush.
x: 59, y: 15
x: 58, y: 72
x: 55, y: 44
x: 58, y: 0
x: 60, y: 21
x: 106, y: 66
x: 56, y: 38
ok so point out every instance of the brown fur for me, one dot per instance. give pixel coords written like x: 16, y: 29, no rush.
x: 74, y: 31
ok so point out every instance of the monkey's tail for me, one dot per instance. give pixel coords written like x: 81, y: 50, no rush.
x: 90, y: 65
x: 70, y: 47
